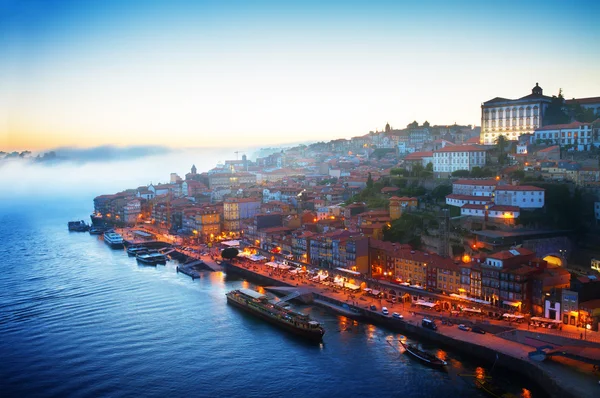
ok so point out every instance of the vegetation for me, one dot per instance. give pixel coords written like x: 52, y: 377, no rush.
x: 230, y: 253
x: 476, y: 172
x: 406, y: 229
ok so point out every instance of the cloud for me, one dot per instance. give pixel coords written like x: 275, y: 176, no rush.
x: 107, y: 153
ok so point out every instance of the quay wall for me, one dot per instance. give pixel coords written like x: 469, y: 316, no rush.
x: 523, y: 366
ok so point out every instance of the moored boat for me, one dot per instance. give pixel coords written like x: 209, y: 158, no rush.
x: 259, y: 305
x: 78, y: 226
x: 136, y: 249
x: 151, y: 258
x: 114, y: 240
x: 492, y: 389
x: 423, y: 355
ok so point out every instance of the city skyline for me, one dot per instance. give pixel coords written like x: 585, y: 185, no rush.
x: 193, y: 74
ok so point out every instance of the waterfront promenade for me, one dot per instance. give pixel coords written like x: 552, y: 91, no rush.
x: 578, y: 379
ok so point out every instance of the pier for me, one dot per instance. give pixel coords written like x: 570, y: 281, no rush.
x: 556, y: 378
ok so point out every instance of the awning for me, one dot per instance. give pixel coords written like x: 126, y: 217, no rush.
x: 425, y: 303
x: 231, y: 243
x: 512, y: 303
x: 472, y: 310
x: 349, y: 271
x: 546, y: 320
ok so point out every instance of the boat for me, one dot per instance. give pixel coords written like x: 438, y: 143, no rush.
x: 135, y: 250
x: 98, y: 230
x: 114, y: 240
x: 258, y: 304
x: 423, y: 356
x: 151, y: 258
x: 78, y: 226
x: 492, y: 389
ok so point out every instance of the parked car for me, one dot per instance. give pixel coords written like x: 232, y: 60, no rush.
x: 373, y: 308
x: 385, y: 311
x: 464, y: 327
x: 477, y: 329
x: 397, y: 316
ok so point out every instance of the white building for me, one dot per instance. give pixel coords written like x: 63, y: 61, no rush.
x: 474, y: 187
x: 493, y: 211
x: 457, y: 157
x: 461, y: 200
x: 511, y: 118
x: 523, y: 196
x: 579, y: 135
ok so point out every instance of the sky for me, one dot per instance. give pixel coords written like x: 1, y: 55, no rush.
x: 224, y: 73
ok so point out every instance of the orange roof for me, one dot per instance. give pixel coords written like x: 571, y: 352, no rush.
x: 486, y: 182
x: 550, y: 148
x: 461, y: 148
x: 518, y: 188
x: 473, y: 140
x: 574, y: 125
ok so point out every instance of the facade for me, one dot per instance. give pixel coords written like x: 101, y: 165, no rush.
x: 474, y: 187
x: 208, y: 222
x: 580, y: 136
x: 237, y: 209
x: 131, y: 211
x: 512, y: 118
x: 457, y: 157
x: 523, y: 196
x: 230, y: 180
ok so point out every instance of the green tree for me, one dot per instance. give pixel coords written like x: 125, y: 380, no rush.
x: 501, y: 143
x: 230, y: 253
x: 555, y: 113
x: 439, y: 193
x: 370, y: 182
x: 461, y: 173
x: 429, y: 167
x: 417, y: 169
x: 582, y: 114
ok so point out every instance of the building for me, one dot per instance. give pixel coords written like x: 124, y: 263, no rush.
x: 592, y: 103
x: 500, y: 212
x: 208, y: 221
x: 504, y: 278
x: 523, y: 196
x: 237, y: 209
x: 597, y: 211
x: 576, y: 135
x: 474, y: 187
x: 512, y: 118
x: 457, y: 157
x: 230, y: 180
x: 422, y: 158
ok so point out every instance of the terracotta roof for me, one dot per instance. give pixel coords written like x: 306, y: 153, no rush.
x: 473, y: 140
x: 518, y: 188
x: 468, y: 197
x: 574, y: 125
x: 418, y: 155
x: 486, y: 182
x: 460, y: 148
x: 589, y: 100
x: 550, y: 148
x: 506, y: 254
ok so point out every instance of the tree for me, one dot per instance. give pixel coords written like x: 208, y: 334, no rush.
x: 429, y: 167
x: 461, y: 173
x: 417, y: 169
x: 501, y: 143
x: 439, y: 193
x: 581, y: 114
x: 370, y: 182
x: 555, y: 113
x: 230, y: 253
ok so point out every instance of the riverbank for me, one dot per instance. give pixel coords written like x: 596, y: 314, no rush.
x: 556, y: 379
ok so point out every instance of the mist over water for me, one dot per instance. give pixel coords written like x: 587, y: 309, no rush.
x: 81, y: 177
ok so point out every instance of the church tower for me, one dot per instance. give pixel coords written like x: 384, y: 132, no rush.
x: 537, y: 90
x: 193, y: 169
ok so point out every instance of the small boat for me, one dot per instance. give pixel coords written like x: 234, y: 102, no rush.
x: 151, y: 258
x: 114, y: 240
x: 258, y: 304
x: 492, y: 389
x: 135, y: 250
x: 78, y: 226
x: 423, y: 356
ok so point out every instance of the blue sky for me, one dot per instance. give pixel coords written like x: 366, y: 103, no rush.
x: 193, y: 73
